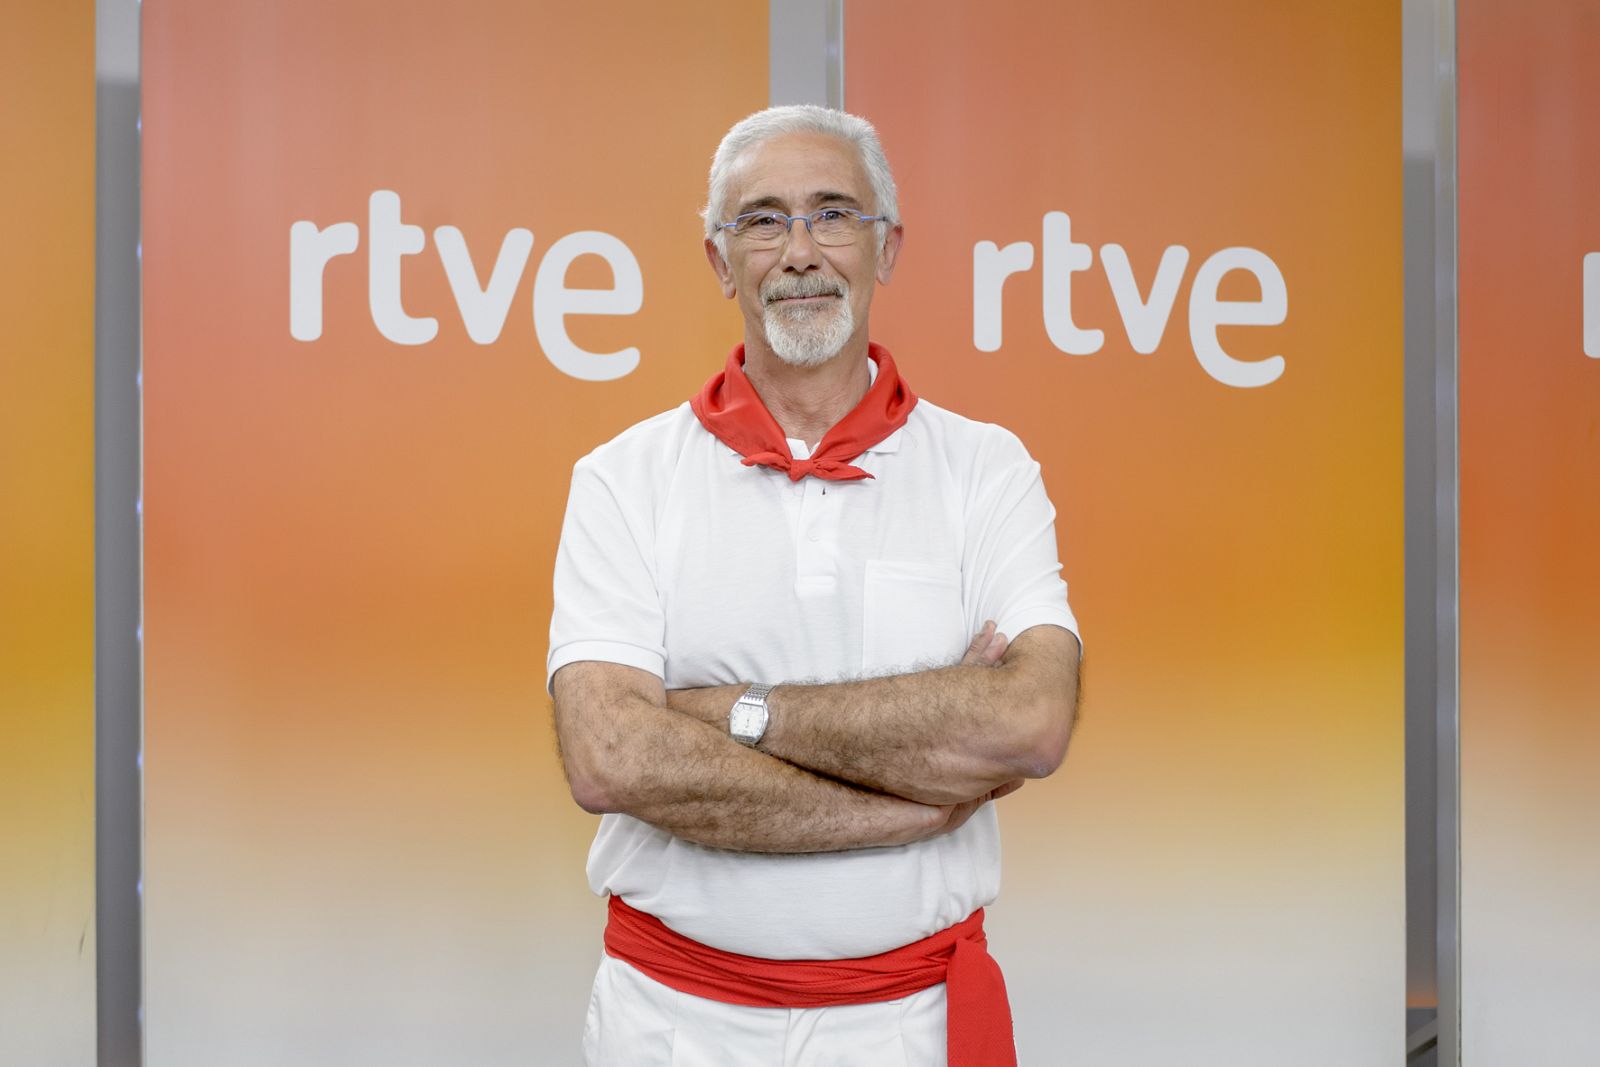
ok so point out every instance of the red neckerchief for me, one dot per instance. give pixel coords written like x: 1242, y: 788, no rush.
x: 731, y: 409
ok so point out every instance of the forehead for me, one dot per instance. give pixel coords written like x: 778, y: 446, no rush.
x: 795, y: 170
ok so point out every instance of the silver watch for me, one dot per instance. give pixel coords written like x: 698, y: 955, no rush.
x: 748, y: 719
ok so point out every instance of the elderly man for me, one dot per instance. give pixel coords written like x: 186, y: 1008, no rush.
x: 761, y: 664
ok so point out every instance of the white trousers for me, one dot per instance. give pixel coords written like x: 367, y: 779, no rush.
x: 635, y: 1021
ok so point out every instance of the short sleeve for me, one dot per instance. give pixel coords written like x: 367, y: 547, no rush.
x: 605, y: 602
x: 1011, y: 552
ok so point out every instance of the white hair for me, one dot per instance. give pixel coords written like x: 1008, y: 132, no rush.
x: 756, y: 129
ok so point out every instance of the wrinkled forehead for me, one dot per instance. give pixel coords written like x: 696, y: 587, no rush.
x: 796, y: 173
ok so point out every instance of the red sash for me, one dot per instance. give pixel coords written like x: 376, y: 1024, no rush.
x: 978, y: 1025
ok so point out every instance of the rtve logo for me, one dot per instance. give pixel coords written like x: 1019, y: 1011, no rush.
x: 1143, y: 318
x: 483, y: 308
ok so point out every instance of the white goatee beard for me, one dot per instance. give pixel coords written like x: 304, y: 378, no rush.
x: 808, y: 335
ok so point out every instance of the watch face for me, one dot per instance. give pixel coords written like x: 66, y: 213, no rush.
x: 747, y: 722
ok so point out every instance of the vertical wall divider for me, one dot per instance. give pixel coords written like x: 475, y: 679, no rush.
x: 835, y: 45
x: 119, y: 822
x: 1447, y: 546
x: 805, y: 40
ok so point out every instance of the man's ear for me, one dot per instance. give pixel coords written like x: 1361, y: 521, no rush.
x: 720, y: 267
x: 891, y: 252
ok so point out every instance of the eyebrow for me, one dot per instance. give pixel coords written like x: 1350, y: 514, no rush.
x: 773, y: 203
x: 835, y: 198
x: 765, y: 203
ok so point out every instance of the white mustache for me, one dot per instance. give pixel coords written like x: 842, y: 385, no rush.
x: 803, y: 286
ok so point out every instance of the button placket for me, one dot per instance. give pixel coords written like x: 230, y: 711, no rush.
x: 814, y: 557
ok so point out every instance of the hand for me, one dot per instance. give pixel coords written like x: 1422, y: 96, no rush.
x: 986, y: 649
x: 710, y: 705
x: 954, y: 815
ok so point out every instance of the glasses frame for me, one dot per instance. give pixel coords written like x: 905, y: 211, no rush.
x: 789, y: 221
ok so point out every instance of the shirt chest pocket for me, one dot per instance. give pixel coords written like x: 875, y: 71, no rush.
x: 912, y: 617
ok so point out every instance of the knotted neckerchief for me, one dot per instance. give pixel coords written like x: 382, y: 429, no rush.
x: 731, y: 409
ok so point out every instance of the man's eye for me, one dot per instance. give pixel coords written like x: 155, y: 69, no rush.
x: 763, y: 222
x: 832, y: 214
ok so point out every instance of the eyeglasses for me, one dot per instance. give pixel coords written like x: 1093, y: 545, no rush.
x: 827, y: 226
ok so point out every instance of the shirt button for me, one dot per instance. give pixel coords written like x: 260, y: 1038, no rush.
x: 815, y: 536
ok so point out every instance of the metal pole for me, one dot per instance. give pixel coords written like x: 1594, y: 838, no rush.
x: 118, y: 725
x: 1448, y: 521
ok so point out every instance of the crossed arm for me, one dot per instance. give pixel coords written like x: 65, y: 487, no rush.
x: 847, y: 765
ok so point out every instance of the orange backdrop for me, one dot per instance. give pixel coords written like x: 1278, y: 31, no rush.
x: 1529, y: 156
x: 1216, y: 874
x: 47, y: 934
x: 359, y: 847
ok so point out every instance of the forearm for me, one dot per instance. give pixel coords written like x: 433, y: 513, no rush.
x: 698, y: 784
x: 906, y: 735
x: 937, y: 737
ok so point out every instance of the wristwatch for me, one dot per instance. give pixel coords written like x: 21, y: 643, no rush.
x: 748, y: 719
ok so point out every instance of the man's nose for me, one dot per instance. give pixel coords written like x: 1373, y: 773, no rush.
x: 800, y: 251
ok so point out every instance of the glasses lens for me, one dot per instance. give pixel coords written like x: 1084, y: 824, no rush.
x: 760, y: 226
x: 835, y: 226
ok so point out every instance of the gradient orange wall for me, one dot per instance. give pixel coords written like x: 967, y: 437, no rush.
x: 1216, y: 874
x: 47, y: 936
x: 359, y: 847
x: 1529, y: 181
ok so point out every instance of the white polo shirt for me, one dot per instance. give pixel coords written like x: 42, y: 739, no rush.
x: 678, y: 559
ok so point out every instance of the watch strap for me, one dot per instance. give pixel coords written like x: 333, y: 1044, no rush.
x: 756, y: 694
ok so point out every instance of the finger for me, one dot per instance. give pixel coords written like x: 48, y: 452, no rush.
x: 960, y: 813
x: 983, y: 636
x: 997, y: 649
x: 1006, y: 790
x: 980, y: 642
